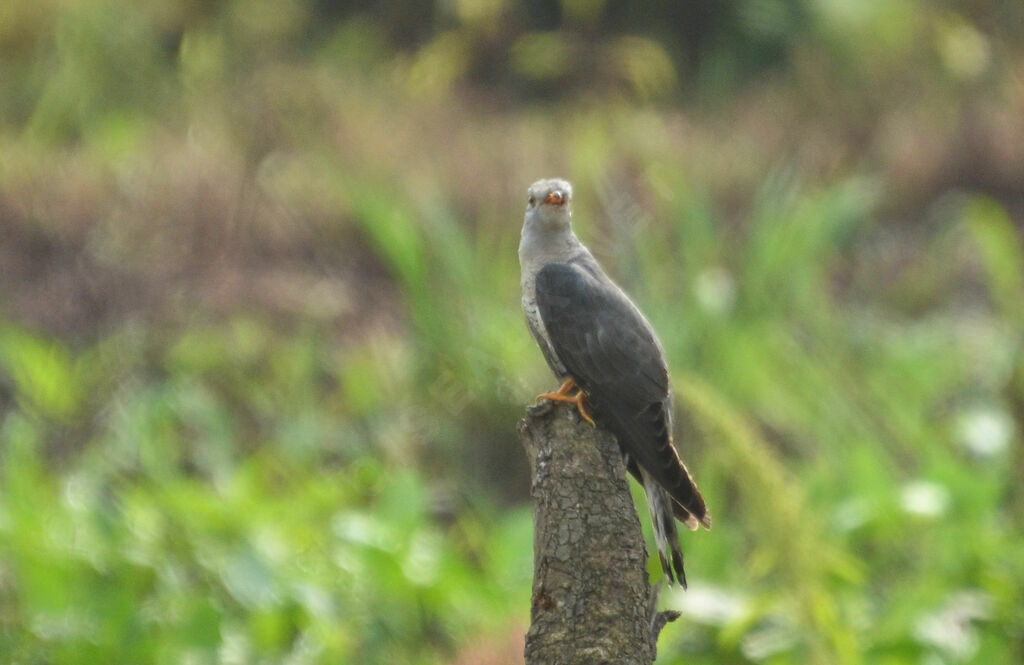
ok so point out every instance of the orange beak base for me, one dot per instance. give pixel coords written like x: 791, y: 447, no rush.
x: 555, y: 198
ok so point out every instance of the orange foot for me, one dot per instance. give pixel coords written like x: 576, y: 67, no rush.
x: 576, y: 397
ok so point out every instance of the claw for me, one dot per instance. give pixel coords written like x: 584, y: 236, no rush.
x: 577, y: 398
x: 581, y: 406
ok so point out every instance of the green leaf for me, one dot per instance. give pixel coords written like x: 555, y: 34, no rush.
x: 1002, y: 253
x: 43, y: 372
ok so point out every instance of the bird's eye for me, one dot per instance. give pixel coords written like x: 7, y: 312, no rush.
x: 532, y: 200
x: 555, y: 198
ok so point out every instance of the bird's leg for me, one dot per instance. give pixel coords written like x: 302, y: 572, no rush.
x: 577, y: 397
x: 562, y: 395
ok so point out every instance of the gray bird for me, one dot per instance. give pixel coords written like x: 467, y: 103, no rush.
x: 609, y: 359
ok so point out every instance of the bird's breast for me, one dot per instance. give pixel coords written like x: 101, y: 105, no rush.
x: 536, y: 324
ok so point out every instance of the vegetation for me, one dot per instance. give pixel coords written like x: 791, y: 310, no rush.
x: 261, y: 354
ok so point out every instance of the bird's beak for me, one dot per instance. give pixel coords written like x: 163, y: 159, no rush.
x: 555, y: 198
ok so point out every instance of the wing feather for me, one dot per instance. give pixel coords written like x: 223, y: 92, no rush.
x: 611, y: 351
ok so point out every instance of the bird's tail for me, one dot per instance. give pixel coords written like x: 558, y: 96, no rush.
x: 687, y: 501
x: 665, y: 534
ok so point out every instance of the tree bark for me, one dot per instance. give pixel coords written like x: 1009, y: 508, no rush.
x: 592, y: 601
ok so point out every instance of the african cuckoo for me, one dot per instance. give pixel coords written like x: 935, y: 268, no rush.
x: 610, y: 361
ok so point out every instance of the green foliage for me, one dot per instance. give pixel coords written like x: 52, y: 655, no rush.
x: 176, y: 535
x: 43, y: 373
x: 1003, y: 252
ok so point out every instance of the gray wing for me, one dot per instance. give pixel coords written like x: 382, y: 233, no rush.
x: 610, y: 351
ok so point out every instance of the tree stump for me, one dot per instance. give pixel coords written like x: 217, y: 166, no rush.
x: 592, y: 600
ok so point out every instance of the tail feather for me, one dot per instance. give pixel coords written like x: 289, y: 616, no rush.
x: 666, y: 536
x: 663, y: 461
x: 691, y: 521
x: 672, y: 494
x: 688, y: 502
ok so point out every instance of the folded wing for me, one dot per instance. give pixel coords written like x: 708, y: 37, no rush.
x: 610, y: 350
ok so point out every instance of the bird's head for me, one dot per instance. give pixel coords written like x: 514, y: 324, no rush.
x: 549, y: 205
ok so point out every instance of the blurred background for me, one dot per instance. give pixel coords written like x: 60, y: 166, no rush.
x: 262, y: 356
